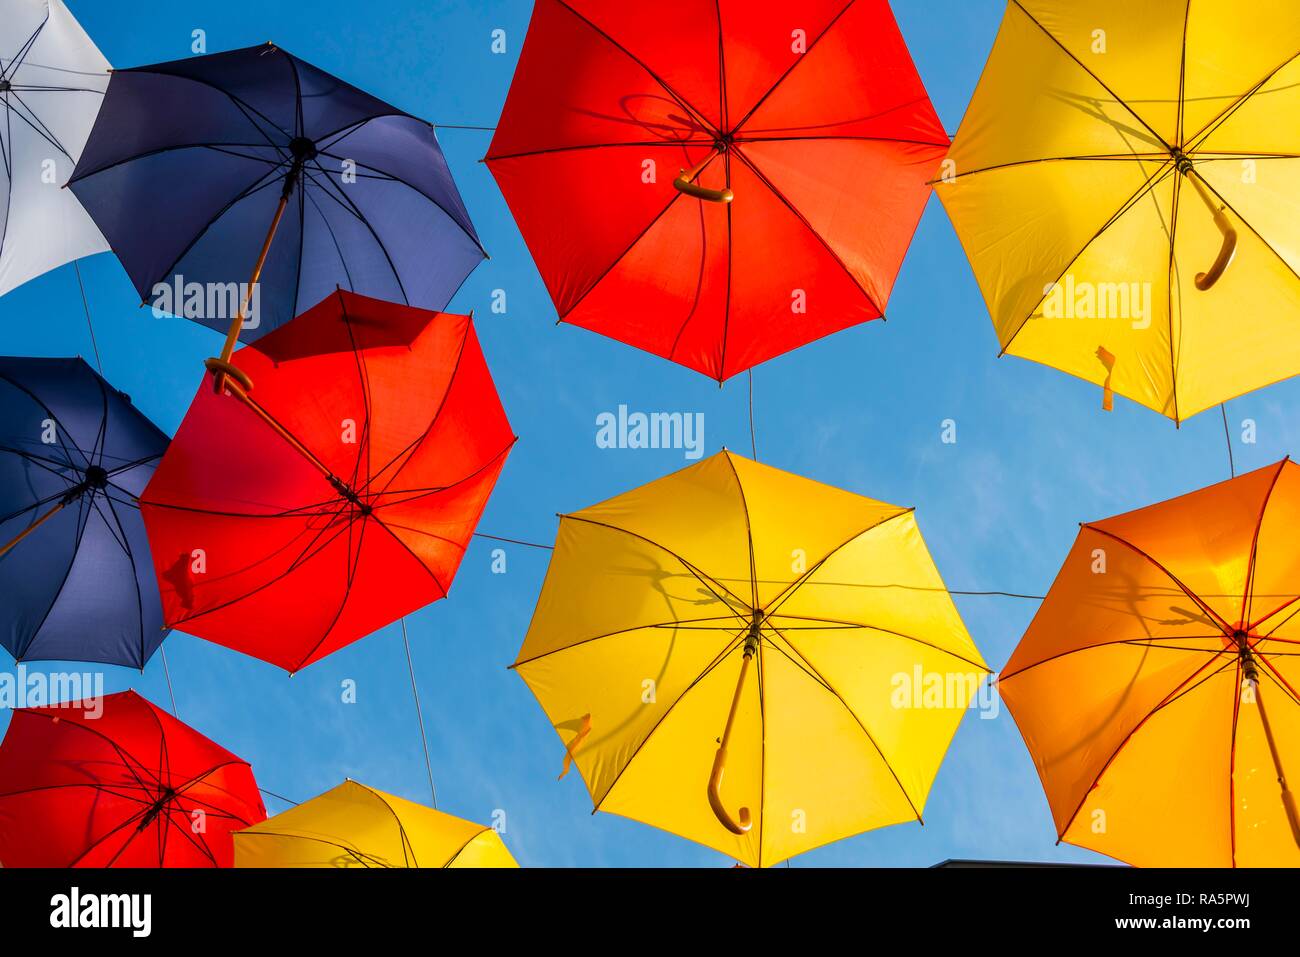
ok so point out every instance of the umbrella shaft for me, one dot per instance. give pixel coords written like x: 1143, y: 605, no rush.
x: 1288, y: 801
x: 232, y: 336
x: 238, y: 392
x: 30, y: 528
x: 735, y: 701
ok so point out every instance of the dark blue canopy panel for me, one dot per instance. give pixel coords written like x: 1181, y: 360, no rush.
x: 188, y: 161
x: 74, y: 457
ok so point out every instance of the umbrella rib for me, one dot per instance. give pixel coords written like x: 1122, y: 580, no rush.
x: 383, y: 175
x: 1174, y: 289
x: 703, y: 578
x: 34, y: 121
x: 731, y: 269
x: 401, y: 830
x: 309, y: 551
x: 353, y: 560
x: 109, y: 833
x: 135, y: 578
x: 338, y: 247
x: 853, y: 626
x: 732, y: 644
x: 1158, y: 138
x: 1247, y: 598
x: 350, y: 205
x: 809, y: 226
x: 269, y: 178
x: 853, y: 714
x: 243, y: 106
x: 526, y: 154
x: 1182, y: 75
x: 1216, y: 619
x: 68, y: 445
x: 744, y: 506
x: 1183, y: 688
x: 699, y: 277
x: 790, y: 69
x: 223, y: 148
x: 681, y: 101
x: 1142, y: 191
x: 408, y: 453
x: 1194, y: 141
x: 1147, y: 641
x: 674, y: 624
x: 128, y: 760
x: 82, y: 519
x: 461, y: 850
x: 790, y: 589
x: 591, y: 287
x: 360, y: 856
x: 426, y: 492
x: 1279, y: 679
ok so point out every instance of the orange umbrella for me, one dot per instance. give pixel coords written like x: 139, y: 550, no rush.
x: 1156, y: 686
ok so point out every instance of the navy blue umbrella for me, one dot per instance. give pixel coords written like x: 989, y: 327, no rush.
x: 75, y: 571
x: 254, y: 168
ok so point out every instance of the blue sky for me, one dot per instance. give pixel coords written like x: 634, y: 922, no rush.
x: 862, y: 410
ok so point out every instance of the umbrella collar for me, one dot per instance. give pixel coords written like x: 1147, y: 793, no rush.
x: 95, y: 479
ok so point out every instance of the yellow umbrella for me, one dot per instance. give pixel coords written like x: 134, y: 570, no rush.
x: 356, y: 826
x: 734, y: 636
x: 1126, y: 184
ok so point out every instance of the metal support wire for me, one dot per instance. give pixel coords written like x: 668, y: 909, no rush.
x: 419, y: 715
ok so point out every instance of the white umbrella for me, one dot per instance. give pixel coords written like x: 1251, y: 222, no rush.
x: 52, y: 81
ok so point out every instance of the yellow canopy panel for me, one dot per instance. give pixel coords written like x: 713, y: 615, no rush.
x: 732, y: 603
x: 1126, y: 184
x: 356, y: 826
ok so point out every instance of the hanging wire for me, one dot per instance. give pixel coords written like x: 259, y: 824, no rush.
x: 513, y: 541
x: 278, y: 797
x: 950, y: 591
x: 1232, y: 465
x: 753, y: 439
x: 419, y: 715
x: 85, y: 304
x: 167, y: 673
x: 455, y: 126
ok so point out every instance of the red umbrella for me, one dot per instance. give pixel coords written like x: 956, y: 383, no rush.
x: 115, y: 782
x: 338, y: 497
x: 717, y: 181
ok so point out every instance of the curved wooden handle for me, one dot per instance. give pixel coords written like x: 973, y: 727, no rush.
x: 684, y: 185
x: 1227, y: 251
x: 715, y: 797
x: 222, y: 369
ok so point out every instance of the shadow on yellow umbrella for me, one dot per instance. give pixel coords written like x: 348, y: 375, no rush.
x: 1126, y: 184
x: 356, y: 826
x: 1156, y: 687
x: 735, y: 654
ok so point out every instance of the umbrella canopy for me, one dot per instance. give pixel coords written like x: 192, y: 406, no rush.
x: 1156, y: 687
x: 1124, y: 183
x: 116, y: 782
x: 74, y: 557
x: 657, y: 605
x: 717, y: 182
x: 356, y: 826
x: 52, y: 80
x: 191, y: 162
x: 338, y: 499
